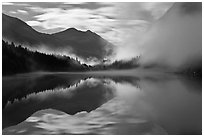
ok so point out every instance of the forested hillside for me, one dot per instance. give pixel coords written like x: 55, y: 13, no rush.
x: 17, y: 59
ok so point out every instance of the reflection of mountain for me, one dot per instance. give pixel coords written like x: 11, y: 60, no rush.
x: 99, y: 122
x: 25, y: 94
x: 119, y: 106
x: 86, y: 96
x: 83, y: 44
x: 20, y: 86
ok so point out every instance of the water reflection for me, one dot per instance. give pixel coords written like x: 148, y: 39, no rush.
x: 20, y: 86
x: 109, y: 105
x: 84, y: 96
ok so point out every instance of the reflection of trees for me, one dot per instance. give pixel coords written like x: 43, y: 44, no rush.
x: 20, y: 86
x: 61, y: 92
x: 17, y: 59
x: 82, y: 98
x: 193, y: 84
x: 134, y: 81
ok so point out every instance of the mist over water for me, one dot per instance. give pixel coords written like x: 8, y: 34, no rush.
x: 148, y: 84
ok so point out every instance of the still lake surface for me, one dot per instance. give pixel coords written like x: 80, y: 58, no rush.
x: 66, y: 103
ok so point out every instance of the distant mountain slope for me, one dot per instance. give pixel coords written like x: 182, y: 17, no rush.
x: 20, y: 60
x: 86, y: 45
x: 176, y: 38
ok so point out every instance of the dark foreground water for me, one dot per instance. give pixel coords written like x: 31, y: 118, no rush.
x: 87, y: 104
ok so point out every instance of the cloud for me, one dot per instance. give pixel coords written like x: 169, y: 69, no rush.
x: 12, y: 12
x: 82, y: 19
x: 135, y: 19
x: 74, y: 2
x: 7, y: 3
x: 117, y: 22
x: 100, y: 20
x: 21, y: 4
x: 106, y: 19
x: 88, y: 5
x: 15, y: 4
x: 157, y: 9
x: 36, y: 9
x: 22, y: 11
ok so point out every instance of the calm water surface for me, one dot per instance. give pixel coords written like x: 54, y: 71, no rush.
x: 87, y: 104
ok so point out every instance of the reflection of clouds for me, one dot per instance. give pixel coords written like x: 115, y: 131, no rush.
x: 21, y: 131
x: 32, y: 119
x: 164, y: 102
x: 33, y: 23
x: 110, y: 118
x: 114, y: 117
x: 124, y: 114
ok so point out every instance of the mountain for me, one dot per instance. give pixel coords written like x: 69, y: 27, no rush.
x: 86, y: 45
x: 175, y: 38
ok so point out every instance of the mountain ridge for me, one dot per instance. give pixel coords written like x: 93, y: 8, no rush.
x: 84, y: 44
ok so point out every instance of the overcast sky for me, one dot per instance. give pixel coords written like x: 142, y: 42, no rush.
x: 113, y: 21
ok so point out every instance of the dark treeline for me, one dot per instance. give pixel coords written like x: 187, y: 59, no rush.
x: 191, y: 69
x: 194, y: 70
x: 121, y: 64
x: 17, y: 59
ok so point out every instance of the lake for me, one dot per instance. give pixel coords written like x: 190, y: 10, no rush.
x: 85, y: 103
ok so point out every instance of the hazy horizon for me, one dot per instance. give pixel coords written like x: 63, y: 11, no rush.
x: 152, y: 30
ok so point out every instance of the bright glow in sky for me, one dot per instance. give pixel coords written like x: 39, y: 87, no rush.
x: 113, y: 21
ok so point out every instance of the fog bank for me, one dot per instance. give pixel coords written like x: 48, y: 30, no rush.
x: 176, y: 38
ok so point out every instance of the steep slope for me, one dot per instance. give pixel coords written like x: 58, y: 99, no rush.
x: 87, y: 45
x: 175, y: 40
x: 87, y: 42
x: 18, y: 31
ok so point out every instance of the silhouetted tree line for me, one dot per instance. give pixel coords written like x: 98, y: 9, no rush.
x: 121, y: 64
x: 17, y: 59
x: 192, y: 71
